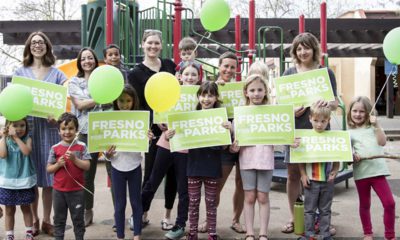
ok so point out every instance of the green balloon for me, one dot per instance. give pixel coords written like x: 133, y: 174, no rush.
x: 215, y: 15
x: 391, y: 46
x: 105, y: 84
x: 16, y: 102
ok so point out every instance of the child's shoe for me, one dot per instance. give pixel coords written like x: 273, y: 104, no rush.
x: 212, y: 237
x: 176, y: 232
x: 9, y: 237
x: 192, y: 237
x: 29, y: 236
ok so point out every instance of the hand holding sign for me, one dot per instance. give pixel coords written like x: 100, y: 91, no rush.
x: 16, y: 102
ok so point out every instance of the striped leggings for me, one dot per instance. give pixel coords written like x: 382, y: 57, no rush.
x: 194, y: 190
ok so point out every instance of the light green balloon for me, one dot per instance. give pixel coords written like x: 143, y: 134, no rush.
x: 16, y: 102
x: 105, y: 84
x: 391, y: 46
x: 215, y: 15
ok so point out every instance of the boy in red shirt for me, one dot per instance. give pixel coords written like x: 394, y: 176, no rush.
x: 68, y: 160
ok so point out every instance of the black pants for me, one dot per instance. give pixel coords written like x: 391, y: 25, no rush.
x: 165, y: 160
x: 170, y: 181
x: 74, y: 201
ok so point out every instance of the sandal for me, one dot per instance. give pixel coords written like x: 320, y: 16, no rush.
x: 203, y: 227
x: 251, y: 237
x: 166, y: 225
x: 145, y: 223
x: 332, y: 230
x: 237, y: 227
x: 265, y: 237
x: 288, y: 227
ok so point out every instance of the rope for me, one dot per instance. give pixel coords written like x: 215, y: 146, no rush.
x: 384, y: 85
x: 380, y: 156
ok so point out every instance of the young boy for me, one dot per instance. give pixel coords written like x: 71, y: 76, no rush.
x: 187, y: 52
x: 68, y: 155
x: 318, y: 188
x: 112, y: 56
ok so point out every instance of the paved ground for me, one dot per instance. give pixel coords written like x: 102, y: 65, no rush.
x: 345, y: 210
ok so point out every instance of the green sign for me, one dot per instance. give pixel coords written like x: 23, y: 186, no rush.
x: 127, y: 130
x: 49, y: 99
x: 198, y: 129
x: 265, y: 124
x: 232, y: 96
x: 303, y: 89
x: 187, y: 102
x: 328, y: 146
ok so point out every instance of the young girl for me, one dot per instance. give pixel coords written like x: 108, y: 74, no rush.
x: 165, y: 159
x: 256, y: 164
x: 17, y: 175
x: 227, y: 66
x: 126, y: 171
x: 204, y: 166
x: 368, y: 139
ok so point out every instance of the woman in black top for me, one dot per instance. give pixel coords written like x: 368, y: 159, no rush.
x: 138, y: 77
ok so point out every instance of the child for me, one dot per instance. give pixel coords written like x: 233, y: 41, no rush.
x: 227, y: 66
x: 204, y: 166
x: 126, y: 171
x: 187, y: 52
x: 112, y: 56
x: 17, y: 175
x: 318, y: 188
x: 368, y: 139
x: 256, y: 164
x: 165, y: 159
x: 68, y: 160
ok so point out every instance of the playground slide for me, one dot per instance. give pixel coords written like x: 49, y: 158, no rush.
x: 70, y: 70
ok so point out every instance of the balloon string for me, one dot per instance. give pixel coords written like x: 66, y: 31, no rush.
x: 207, y: 34
x: 69, y: 147
x: 384, y: 85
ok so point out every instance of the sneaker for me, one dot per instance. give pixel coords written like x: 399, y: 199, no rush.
x: 114, y: 228
x: 9, y: 237
x: 88, y: 217
x: 130, y: 221
x: 29, y: 236
x: 176, y: 232
x: 192, y: 237
x: 212, y: 237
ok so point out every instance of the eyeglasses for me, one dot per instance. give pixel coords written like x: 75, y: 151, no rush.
x: 39, y: 43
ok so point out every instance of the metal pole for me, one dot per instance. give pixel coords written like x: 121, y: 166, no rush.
x: 323, y: 30
x: 109, y: 22
x: 302, y: 24
x: 238, y: 43
x: 252, y: 27
x: 177, y: 30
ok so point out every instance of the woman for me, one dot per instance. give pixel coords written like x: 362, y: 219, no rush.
x: 83, y: 104
x: 138, y: 77
x: 37, y: 64
x: 226, y: 72
x: 305, y: 52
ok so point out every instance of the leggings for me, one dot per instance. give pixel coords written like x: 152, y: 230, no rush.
x: 382, y: 189
x: 170, y: 189
x: 211, y: 189
x: 132, y: 179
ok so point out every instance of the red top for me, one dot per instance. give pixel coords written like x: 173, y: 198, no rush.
x: 62, y: 180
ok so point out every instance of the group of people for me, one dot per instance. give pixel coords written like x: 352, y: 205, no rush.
x: 32, y: 155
